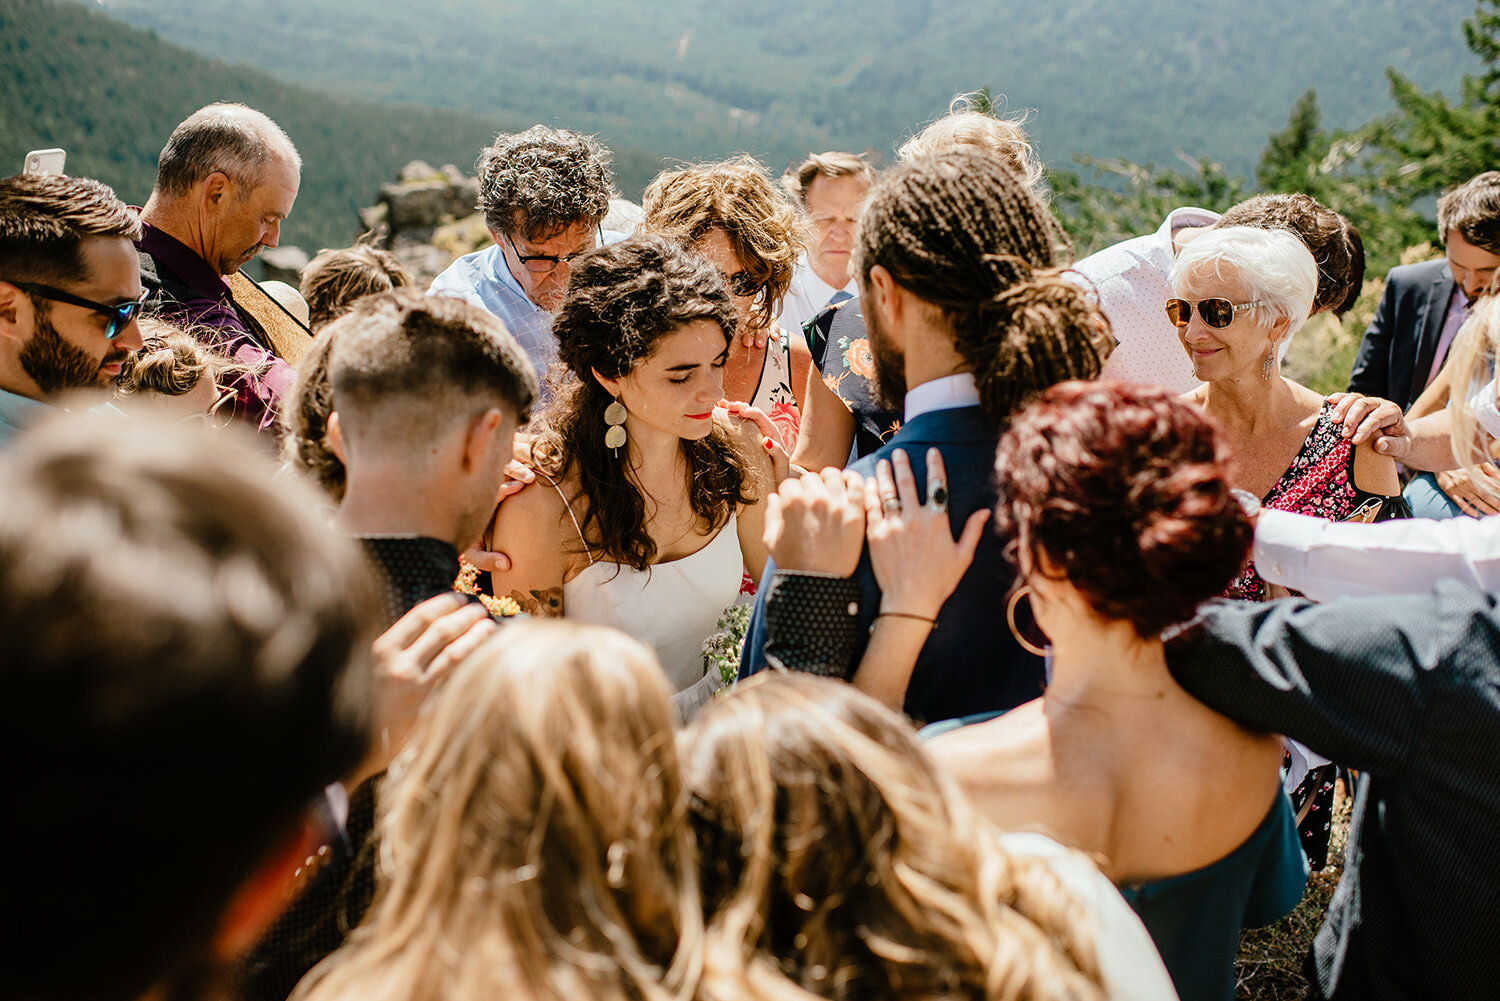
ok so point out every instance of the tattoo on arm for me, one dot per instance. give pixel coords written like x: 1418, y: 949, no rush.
x: 547, y: 602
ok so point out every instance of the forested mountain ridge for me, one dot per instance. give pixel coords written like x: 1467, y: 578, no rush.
x: 110, y: 95
x: 1141, y: 79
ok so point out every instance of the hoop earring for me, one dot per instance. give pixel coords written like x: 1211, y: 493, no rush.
x: 614, y: 432
x: 1010, y: 620
x: 1265, y: 368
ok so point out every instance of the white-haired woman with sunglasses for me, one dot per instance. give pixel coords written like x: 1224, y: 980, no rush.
x: 1241, y: 295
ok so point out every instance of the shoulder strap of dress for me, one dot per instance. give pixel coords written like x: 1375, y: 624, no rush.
x: 576, y: 527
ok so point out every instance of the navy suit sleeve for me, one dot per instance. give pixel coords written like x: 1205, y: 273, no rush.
x: 1352, y: 679
x: 753, y: 653
x: 1372, y: 366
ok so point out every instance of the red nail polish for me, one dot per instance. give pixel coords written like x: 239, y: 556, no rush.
x: 769, y: 445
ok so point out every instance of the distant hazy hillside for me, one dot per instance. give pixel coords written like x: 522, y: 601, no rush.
x: 110, y: 94
x: 1136, y: 78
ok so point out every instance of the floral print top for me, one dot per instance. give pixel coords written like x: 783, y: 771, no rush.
x: 1319, y: 482
x: 773, y: 394
x: 841, y: 351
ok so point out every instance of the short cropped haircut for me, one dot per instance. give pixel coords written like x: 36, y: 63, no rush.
x: 186, y: 667
x: 44, y: 219
x: 537, y: 183
x: 1270, y: 265
x: 798, y: 179
x: 334, y: 279
x: 738, y: 197
x: 440, y: 352
x: 1335, y: 243
x: 233, y: 139
x: 1473, y: 208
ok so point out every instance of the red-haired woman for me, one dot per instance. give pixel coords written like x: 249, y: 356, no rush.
x: 1123, y: 521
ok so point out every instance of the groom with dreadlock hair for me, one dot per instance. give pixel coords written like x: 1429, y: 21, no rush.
x: 968, y: 318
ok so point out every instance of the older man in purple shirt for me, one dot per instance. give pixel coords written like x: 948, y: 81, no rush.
x: 225, y: 181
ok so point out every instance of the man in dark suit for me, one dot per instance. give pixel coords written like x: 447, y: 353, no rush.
x: 1407, y: 691
x: 962, y: 328
x: 1420, y: 312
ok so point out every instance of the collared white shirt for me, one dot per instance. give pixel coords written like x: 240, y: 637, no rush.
x: 483, y: 279
x: 1327, y: 559
x: 1131, y: 279
x: 807, y: 296
x: 947, y: 393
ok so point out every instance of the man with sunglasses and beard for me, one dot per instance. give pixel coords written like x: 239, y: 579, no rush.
x: 544, y: 193
x: 70, y: 292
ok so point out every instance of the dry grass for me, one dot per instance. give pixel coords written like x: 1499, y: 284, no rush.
x: 1269, y: 966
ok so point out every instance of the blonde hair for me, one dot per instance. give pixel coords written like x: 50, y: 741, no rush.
x: 965, y: 128
x: 171, y: 362
x: 1471, y: 364
x: 839, y: 862
x: 334, y: 279
x: 532, y: 836
x: 738, y: 197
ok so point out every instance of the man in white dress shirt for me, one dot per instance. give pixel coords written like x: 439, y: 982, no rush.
x: 830, y: 188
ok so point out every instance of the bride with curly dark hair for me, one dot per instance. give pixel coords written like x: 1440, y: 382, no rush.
x: 647, y: 505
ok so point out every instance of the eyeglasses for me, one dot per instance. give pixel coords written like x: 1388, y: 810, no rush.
x: 1216, y: 312
x: 119, y: 316
x: 220, y: 413
x: 545, y: 264
x: 742, y: 284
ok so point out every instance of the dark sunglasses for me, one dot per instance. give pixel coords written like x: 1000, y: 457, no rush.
x: 543, y: 264
x: 1216, y: 312
x: 119, y: 316
x: 742, y: 284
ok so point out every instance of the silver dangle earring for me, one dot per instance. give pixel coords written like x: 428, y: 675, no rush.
x: 1265, y: 369
x: 614, y: 433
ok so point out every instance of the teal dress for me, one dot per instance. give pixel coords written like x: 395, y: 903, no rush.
x: 1195, y: 918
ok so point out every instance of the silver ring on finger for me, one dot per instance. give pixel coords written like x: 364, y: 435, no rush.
x: 890, y: 504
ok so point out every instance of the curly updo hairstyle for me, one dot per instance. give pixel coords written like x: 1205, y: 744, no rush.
x: 1125, y: 489
x: 962, y: 231
x: 621, y: 301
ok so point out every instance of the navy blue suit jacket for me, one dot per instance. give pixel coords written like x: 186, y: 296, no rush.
x: 971, y: 663
x: 1398, y: 350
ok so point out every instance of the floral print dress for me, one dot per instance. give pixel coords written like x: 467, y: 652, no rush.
x: 1319, y: 482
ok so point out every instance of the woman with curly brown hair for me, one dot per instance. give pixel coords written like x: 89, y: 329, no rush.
x: 838, y: 861
x: 533, y: 842
x: 1118, y: 504
x: 733, y: 214
x: 651, y: 507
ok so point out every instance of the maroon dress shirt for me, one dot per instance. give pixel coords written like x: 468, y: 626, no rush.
x: 210, y: 315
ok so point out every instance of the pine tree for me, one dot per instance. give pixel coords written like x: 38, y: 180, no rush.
x: 1431, y: 143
